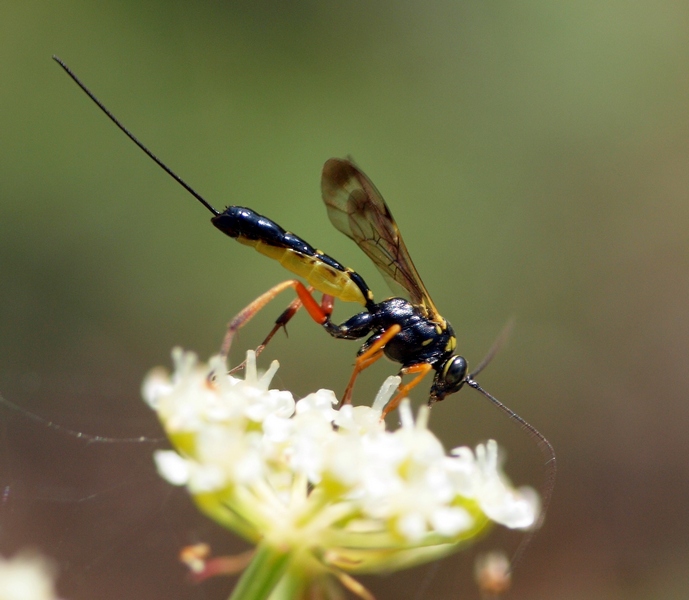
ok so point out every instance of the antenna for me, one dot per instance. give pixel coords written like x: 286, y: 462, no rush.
x: 134, y: 139
x: 543, y: 444
x: 498, y: 345
x: 550, y: 466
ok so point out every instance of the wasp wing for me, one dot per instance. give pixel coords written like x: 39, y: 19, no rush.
x: 357, y: 209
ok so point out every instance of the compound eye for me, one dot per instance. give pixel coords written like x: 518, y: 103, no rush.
x: 455, y: 373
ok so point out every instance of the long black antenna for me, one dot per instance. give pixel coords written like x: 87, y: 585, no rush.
x: 498, y: 345
x: 550, y: 466
x: 134, y: 139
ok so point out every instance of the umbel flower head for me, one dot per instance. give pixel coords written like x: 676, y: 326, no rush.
x: 322, y: 491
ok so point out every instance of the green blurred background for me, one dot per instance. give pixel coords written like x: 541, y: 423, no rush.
x: 536, y: 157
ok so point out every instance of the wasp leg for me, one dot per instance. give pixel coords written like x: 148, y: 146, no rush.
x: 281, y: 322
x: 359, y: 366
x: 246, y: 314
x: 422, y: 369
x: 367, y: 358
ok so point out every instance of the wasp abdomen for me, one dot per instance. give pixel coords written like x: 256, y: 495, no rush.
x: 320, y: 270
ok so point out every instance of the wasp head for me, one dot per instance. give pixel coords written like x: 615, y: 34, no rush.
x: 449, y: 378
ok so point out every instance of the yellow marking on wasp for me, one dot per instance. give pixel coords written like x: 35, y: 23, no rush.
x: 451, y: 344
x: 321, y: 276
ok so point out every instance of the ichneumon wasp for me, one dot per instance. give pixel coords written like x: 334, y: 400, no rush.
x: 408, y: 328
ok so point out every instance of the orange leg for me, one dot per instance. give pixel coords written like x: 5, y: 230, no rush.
x: 367, y: 358
x: 281, y: 322
x: 327, y: 304
x: 422, y: 369
x: 304, y: 296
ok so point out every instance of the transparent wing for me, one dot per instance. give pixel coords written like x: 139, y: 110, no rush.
x: 357, y: 209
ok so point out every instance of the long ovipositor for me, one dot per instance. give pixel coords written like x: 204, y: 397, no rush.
x: 321, y: 271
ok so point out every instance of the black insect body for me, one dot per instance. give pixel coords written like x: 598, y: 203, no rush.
x: 408, y: 331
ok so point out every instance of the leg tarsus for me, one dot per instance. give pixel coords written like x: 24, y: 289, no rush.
x: 422, y: 369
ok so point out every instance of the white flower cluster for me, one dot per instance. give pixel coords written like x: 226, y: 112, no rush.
x: 26, y: 577
x: 334, y: 483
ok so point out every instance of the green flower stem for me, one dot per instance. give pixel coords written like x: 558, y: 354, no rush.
x: 292, y: 585
x: 213, y: 506
x: 263, y: 574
